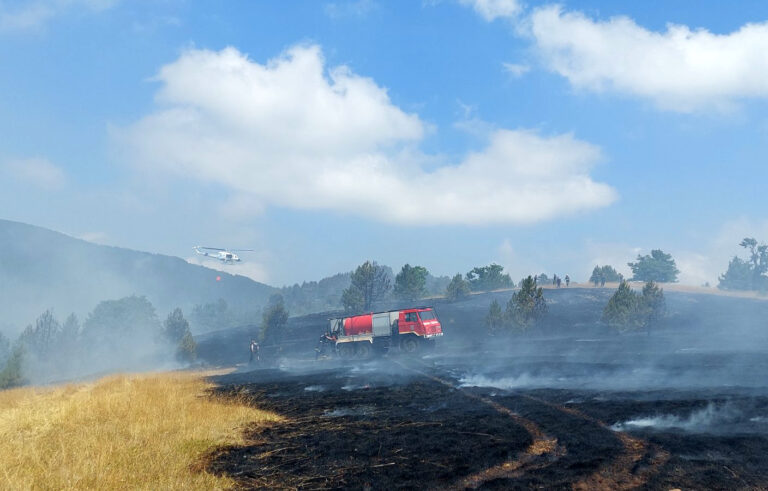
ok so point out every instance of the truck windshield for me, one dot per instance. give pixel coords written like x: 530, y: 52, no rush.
x: 427, y: 315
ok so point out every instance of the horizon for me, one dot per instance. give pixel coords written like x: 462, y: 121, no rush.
x: 447, y: 134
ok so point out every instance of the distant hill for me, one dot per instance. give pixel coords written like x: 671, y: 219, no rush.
x: 41, y: 269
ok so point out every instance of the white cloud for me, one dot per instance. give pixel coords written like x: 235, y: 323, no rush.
x: 34, y: 14
x: 515, y: 69
x: 293, y: 133
x: 37, y: 171
x: 678, y: 69
x: 491, y: 10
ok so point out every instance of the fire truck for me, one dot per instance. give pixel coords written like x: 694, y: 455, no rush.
x: 361, y: 336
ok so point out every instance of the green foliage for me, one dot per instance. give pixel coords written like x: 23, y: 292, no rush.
x: 488, y: 278
x: 175, y: 326
x: 5, y: 348
x: 527, y: 306
x: 627, y: 310
x: 656, y: 267
x: 747, y: 274
x: 274, y: 319
x: 212, y: 316
x: 653, y: 304
x: 12, y: 374
x: 370, y: 282
x: 621, y: 310
x: 457, y: 289
x: 352, y: 300
x: 542, y: 279
x: 601, y: 275
x: 176, y: 331
x: 186, y: 350
x: 115, y: 323
x: 410, y: 283
x: 495, y: 318
x: 42, y: 339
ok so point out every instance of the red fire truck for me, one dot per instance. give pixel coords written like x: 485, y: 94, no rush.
x: 360, y: 336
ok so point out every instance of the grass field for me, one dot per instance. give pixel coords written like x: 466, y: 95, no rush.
x: 147, y: 431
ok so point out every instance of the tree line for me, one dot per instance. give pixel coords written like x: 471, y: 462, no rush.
x: 121, y: 334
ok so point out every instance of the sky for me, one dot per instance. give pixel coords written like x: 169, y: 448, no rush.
x: 546, y: 137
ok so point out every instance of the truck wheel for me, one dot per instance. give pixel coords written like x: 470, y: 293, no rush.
x: 346, y: 351
x: 363, y: 350
x: 409, y: 345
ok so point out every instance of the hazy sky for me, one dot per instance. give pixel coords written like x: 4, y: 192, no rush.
x: 446, y: 133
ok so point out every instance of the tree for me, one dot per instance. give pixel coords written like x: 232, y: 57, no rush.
x: 627, y: 310
x: 273, y: 320
x: 457, y: 289
x: 42, y: 338
x: 654, y: 306
x: 488, y: 278
x: 495, y: 318
x: 621, y: 309
x: 656, y: 267
x: 597, y: 275
x: 542, y: 279
x: 211, y: 316
x: 738, y: 276
x: 747, y: 274
x: 352, y: 300
x: 527, y: 305
x: 601, y: 275
x: 186, y: 350
x: 176, y: 331
x: 370, y: 282
x: 122, y: 334
x: 410, y: 283
x: 12, y: 375
x: 5, y: 348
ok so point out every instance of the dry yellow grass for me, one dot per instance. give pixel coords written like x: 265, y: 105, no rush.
x: 121, y: 432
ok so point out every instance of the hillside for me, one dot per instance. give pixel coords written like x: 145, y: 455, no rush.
x: 41, y: 269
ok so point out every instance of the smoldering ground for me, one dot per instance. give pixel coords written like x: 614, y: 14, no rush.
x: 572, y: 402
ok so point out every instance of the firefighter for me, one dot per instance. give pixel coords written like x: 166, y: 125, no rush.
x: 327, y: 339
x: 255, y: 352
x: 567, y: 281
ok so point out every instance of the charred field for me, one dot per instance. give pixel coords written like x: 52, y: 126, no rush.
x: 573, y: 405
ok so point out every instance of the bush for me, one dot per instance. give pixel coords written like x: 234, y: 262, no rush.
x: 12, y: 375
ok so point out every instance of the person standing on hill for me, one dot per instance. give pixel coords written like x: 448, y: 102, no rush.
x: 567, y: 281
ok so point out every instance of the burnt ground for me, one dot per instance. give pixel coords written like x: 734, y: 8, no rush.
x: 573, y: 406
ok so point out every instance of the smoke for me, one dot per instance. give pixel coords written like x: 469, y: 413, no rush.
x: 720, y: 418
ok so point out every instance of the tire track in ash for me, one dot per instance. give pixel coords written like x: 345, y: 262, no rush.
x: 542, y: 452
x: 625, y: 471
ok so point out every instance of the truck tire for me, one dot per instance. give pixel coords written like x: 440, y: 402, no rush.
x: 363, y: 350
x: 346, y: 351
x: 409, y: 344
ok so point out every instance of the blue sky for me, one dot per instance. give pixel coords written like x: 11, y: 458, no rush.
x: 447, y: 133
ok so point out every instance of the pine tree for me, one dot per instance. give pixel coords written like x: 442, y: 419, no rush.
x: 527, y: 306
x: 457, y: 289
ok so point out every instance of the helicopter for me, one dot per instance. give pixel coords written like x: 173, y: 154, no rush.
x: 226, y: 256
